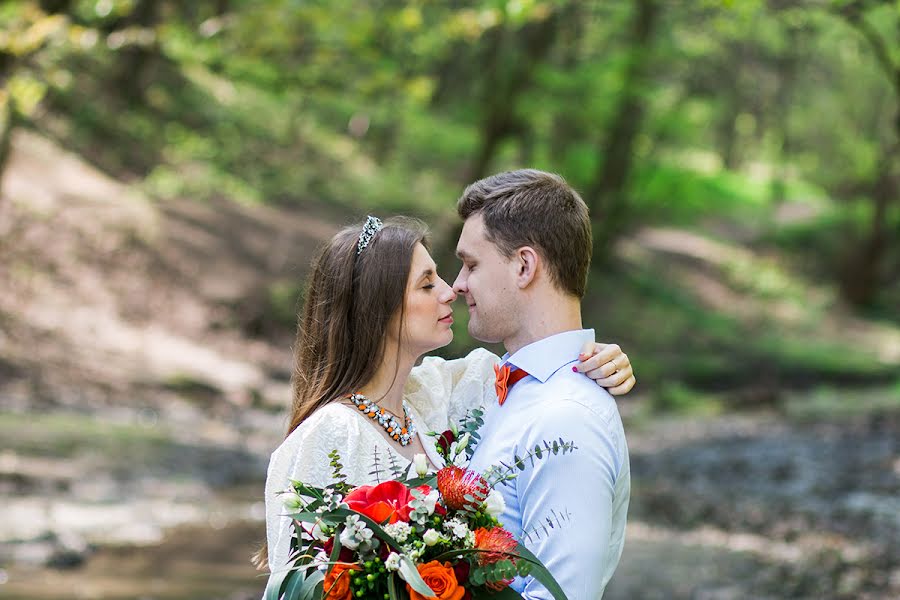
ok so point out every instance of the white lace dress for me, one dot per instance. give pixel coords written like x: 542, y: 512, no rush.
x: 438, y: 393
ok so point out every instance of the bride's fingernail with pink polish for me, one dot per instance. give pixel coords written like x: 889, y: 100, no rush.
x: 574, y: 369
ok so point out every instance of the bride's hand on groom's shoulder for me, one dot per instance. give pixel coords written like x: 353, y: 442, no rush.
x: 608, y: 366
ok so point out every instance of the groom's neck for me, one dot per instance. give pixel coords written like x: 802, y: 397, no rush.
x: 543, y: 316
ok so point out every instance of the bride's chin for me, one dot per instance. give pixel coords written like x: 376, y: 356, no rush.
x: 446, y: 339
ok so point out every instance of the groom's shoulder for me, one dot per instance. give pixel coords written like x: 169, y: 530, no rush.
x: 577, y: 393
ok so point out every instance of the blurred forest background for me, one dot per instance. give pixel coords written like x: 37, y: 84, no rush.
x: 168, y: 168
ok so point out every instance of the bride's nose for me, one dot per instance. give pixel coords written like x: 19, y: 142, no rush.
x: 447, y: 294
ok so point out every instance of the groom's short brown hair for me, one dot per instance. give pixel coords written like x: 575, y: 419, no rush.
x: 538, y: 209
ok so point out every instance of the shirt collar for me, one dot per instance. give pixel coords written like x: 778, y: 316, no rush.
x: 545, y: 357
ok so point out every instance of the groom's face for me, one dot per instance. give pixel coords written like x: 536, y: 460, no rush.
x: 487, y: 282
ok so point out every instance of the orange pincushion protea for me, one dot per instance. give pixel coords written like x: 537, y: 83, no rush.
x: 497, y: 541
x: 454, y: 483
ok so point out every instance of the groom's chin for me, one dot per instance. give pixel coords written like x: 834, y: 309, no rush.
x: 481, y: 336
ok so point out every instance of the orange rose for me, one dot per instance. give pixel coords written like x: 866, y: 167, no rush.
x: 441, y: 579
x: 337, y: 582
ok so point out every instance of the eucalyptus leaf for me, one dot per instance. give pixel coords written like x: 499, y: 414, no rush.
x: 274, y: 585
x: 293, y: 585
x: 311, y: 585
x: 410, y: 574
x: 394, y: 588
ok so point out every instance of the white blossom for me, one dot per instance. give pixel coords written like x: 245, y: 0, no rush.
x: 457, y: 528
x: 431, y: 537
x: 421, y: 464
x: 292, y: 501
x: 494, y: 504
x: 392, y: 562
x: 399, y: 531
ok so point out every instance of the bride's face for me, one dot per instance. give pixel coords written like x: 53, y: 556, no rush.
x: 428, y: 317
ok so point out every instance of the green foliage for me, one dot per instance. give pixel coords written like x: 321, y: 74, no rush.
x: 386, y: 110
x: 678, y: 398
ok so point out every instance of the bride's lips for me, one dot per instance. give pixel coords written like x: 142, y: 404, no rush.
x: 447, y: 319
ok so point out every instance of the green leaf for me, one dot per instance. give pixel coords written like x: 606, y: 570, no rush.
x: 312, y: 586
x: 394, y: 588
x: 294, y: 585
x: 506, y: 593
x: 273, y: 586
x: 540, y: 572
x: 411, y: 575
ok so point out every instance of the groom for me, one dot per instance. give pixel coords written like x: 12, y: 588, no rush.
x: 526, y: 249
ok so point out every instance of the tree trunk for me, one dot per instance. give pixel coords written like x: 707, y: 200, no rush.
x: 134, y: 59
x: 530, y: 46
x: 7, y: 112
x: 53, y: 7
x: 786, y: 67
x: 7, y: 125
x: 861, y: 275
x: 607, y: 194
x: 863, y: 272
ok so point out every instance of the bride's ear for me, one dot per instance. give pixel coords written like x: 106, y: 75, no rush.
x: 527, y: 262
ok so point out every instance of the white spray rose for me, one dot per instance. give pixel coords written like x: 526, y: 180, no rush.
x: 494, y: 504
x: 431, y: 537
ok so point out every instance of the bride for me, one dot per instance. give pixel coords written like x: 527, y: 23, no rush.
x: 374, y: 305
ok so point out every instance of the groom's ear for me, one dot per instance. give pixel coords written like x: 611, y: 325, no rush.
x: 527, y: 262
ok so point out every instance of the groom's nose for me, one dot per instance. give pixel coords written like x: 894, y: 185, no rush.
x: 448, y: 294
x: 460, y: 286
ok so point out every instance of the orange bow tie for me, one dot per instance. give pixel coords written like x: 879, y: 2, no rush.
x: 506, y: 378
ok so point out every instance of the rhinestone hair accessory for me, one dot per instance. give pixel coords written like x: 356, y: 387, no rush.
x: 373, y: 225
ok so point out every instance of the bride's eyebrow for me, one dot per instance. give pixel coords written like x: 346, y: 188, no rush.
x: 426, y: 273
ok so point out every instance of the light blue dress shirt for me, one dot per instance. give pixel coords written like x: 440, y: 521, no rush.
x: 569, y: 510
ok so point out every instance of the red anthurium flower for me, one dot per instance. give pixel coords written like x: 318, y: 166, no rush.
x: 388, y: 501
x: 454, y: 483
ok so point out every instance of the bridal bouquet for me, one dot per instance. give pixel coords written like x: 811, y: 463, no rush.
x: 431, y: 536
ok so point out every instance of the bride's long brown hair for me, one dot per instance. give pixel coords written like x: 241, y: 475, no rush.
x: 350, y: 301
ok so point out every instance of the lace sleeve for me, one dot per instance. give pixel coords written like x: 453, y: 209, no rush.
x: 303, y: 456
x: 442, y: 391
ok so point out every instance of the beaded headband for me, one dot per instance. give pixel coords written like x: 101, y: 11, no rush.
x: 373, y: 225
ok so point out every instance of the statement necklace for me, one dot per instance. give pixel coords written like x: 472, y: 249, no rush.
x: 399, y: 433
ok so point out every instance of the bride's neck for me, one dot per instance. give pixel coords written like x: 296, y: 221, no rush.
x: 386, y: 387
